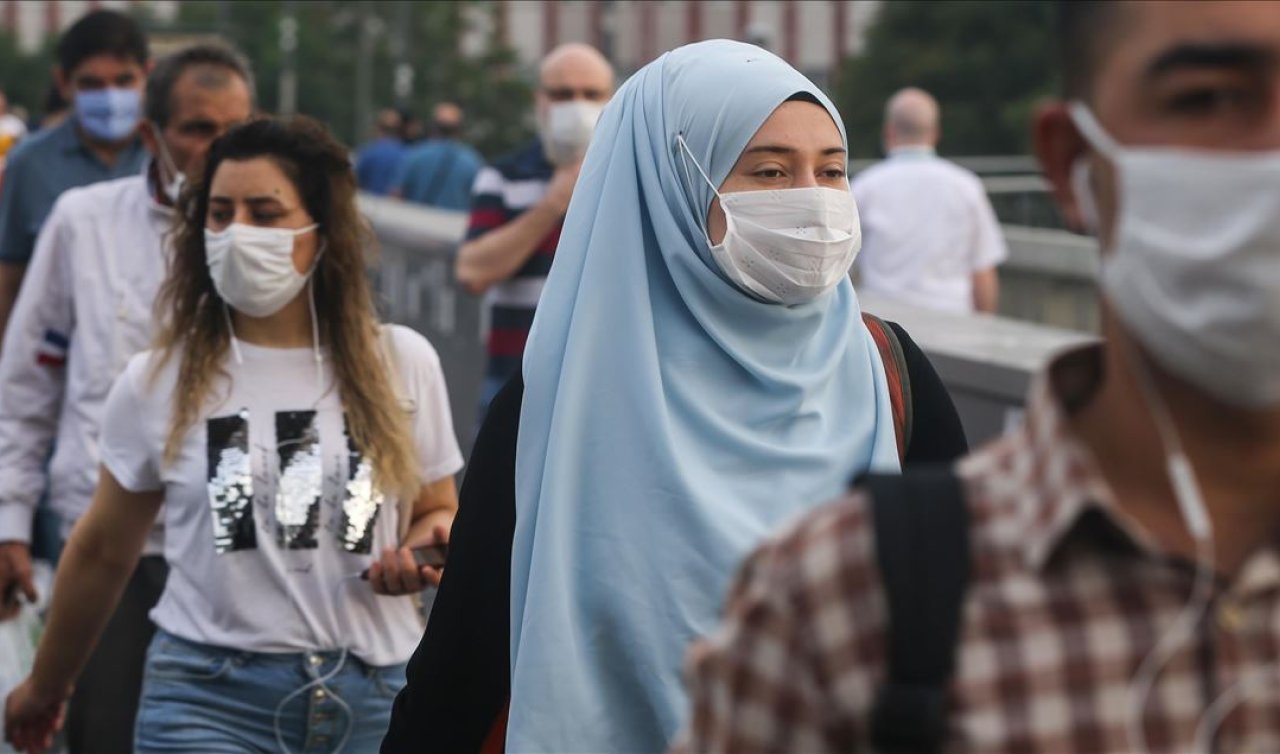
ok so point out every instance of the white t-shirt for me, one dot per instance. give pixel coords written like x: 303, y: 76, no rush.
x: 927, y: 227
x: 267, y: 508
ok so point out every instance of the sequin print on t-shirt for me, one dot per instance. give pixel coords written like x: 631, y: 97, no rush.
x: 231, y: 483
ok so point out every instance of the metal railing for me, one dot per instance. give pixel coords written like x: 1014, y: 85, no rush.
x: 985, y: 361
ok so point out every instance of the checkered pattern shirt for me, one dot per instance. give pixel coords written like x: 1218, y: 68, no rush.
x: 1066, y: 599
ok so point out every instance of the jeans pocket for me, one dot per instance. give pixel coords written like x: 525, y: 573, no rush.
x: 388, y: 680
x: 175, y: 660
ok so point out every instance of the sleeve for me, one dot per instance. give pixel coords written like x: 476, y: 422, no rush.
x: 988, y: 249
x: 17, y: 235
x: 128, y: 451
x: 434, y: 438
x: 459, y: 677
x: 487, y: 208
x: 33, y: 375
x: 937, y: 435
x: 756, y: 685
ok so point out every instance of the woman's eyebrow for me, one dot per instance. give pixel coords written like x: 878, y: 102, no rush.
x: 781, y: 149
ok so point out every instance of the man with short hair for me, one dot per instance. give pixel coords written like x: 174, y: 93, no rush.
x: 440, y: 171
x: 1112, y: 577
x: 929, y: 235
x: 102, y: 66
x: 85, y: 309
x: 518, y: 205
x: 379, y: 161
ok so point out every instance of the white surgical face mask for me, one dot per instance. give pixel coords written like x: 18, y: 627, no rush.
x: 567, y: 130
x: 785, y: 246
x: 252, y: 268
x: 1194, y: 265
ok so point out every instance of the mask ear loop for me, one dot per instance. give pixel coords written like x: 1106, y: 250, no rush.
x: 231, y: 334
x: 1195, y: 515
x: 686, y: 157
x: 315, y: 318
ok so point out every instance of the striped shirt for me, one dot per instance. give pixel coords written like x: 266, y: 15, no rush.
x: 503, y: 191
x: 1066, y: 599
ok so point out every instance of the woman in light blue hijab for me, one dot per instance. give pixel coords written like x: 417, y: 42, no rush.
x: 672, y: 417
x: 698, y: 373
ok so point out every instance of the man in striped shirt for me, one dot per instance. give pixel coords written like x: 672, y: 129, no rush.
x: 518, y: 205
x: 1123, y: 547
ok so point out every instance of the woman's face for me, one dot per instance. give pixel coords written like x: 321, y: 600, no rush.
x: 799, y: 146
x: 257, y: 192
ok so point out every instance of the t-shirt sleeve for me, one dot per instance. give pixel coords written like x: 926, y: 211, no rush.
x: 125, y: 442
x: 988, y: 249
x: 433, y: 435
x: 17, y: 238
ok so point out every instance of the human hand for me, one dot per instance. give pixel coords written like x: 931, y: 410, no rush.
x: 560, y: 189
x: 15, y: 577
x: 398, y: 573
x: 33, y: 716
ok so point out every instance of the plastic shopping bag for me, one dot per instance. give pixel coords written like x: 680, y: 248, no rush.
x: 20, y: 636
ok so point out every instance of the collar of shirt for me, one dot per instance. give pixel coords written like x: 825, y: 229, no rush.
x: 1064, y: 500
x: 913, y: 150
x: 68, y: 135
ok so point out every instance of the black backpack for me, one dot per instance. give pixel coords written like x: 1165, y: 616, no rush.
x: 921, y: 525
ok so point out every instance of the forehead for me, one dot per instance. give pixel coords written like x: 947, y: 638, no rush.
x: 1138, y: 33
x: 798, y: 124
x: 106, y: 66
x: 252, y: 178
x: 192, y: 97
x: 576, y: 71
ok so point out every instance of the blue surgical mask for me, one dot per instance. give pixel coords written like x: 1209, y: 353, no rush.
x: 109, y: 114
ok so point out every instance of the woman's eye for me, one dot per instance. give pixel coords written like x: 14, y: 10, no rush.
x: 836, y: 173
x: 768, y: 173
x: 220, y: 218
x: 266, y: 218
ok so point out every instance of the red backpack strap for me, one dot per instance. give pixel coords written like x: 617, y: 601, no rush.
x: 496, y: 740
x: 898, y: 377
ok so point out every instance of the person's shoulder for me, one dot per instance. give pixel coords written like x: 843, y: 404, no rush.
x: 412, y: 348
x: 526, y: 162
x: 101, y: 199
x: 35, y: 146
x: 868, y: 175
x: 832, y: 544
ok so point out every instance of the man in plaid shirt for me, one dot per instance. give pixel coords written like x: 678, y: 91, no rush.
x: 1124, y: 583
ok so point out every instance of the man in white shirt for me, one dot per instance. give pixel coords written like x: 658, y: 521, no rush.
x: 929, y: 235
x: 83, y: 311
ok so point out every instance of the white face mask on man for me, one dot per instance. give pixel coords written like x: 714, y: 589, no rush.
x: 252, y: 268
x: 567, y: 130
x: 785, y: 246
x: 1194, y: 265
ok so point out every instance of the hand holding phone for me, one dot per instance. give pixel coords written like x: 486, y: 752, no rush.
x: 433, y: 555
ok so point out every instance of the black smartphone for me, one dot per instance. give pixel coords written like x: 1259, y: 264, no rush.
x: 428, y: 555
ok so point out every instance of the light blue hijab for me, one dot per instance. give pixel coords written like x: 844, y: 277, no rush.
x: 670, y: 421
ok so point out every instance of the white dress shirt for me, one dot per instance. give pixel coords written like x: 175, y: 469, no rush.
x: 85, y: 308
x: 927, y: 227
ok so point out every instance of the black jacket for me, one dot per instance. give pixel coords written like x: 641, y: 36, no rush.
x: 459, y: 678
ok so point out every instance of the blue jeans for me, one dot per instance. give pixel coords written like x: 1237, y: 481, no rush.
x: 212, y: 700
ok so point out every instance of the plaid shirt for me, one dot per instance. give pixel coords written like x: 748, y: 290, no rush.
x: 1066, y: 598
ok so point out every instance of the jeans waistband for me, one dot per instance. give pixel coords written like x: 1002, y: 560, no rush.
x: 310, y: 658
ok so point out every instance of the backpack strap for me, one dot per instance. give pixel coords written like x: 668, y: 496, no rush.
x: 922, y: 546
x: 898, y: 376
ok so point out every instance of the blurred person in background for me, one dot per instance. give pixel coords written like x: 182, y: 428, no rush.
x: 681, y: 396
x: 101, y: 69
x: 296, y: 449
x: 518, y: 205
x: 412, y: 130
x: 929, y: 235
x: 84, y: 311
x: 440, y: 171
x: 12, y: 127
x: 1107, y: 578
x: 380, y: 161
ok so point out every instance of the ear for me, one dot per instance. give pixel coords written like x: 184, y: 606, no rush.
x: 63, y: 83
x: 1058, y: 145
x: 149, y: 137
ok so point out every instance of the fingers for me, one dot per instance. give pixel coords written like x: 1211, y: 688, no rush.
x: 440, y: 533
x: 28, y: 585
x: 397, y: 573
x: 431, y: 576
